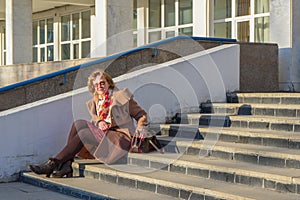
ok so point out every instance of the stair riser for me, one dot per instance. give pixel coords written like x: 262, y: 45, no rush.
x: 265, y: 125
x: 270, y: 100
x: 192, y: 133
x: 275, y: 142
x: 144, y: 185
x: 217, y: 121
x: 254, y: 111
x: 219, y: 175
x: 227, y: 122
x: 249, y: 157
x: 264, y: 100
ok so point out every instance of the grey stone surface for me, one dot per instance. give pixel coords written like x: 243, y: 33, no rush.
x: 222, y: 176
x: 222, y: 154
x: 286, y: 112
x: 253, y: 181
x: 286, y: 187
x: 18, y: 190
x: 246, y: 158
x: 168, y: 191
x: 198, y: 172
x: 276, y: 162
x: 282, y: 127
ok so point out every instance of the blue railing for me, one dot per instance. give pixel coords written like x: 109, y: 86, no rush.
x: 77, y: 67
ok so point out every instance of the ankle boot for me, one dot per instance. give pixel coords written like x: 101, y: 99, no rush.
x: 64, y: 169
x: 45, y: 168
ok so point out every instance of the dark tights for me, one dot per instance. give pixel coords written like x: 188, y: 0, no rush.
x: 79, y: 135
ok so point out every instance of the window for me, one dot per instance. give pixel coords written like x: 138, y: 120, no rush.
x: 75, y: 37
x: 185, y: 12
x: 242, y: 7
x: 43, y: 40
x: 168, y: 18
x: 169, y: 13
x: 245, y: 20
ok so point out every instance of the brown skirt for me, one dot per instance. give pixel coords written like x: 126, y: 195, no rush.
x: 113, y: 145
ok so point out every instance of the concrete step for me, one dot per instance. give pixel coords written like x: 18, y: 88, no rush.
x: 267, y: 123
x: 250, y: 121
x: 265, y: 98
x: 280, y: 179
x: 285, y: 139
x: 251, y: 153
x: 277, y: 110
x: 90, y: 188
x: 178, y: 185
x: 218, y: 120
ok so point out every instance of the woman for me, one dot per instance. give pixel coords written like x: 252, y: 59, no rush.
x: 107, y: 136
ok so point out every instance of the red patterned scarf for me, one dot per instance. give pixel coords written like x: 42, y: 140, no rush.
x: 103, y: 106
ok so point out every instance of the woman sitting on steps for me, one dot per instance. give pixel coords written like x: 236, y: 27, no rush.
x: 107, y: 136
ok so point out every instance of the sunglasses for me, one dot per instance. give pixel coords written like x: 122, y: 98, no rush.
x: 100, y: 84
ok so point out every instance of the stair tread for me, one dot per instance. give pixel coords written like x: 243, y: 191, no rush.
x: 239, y: 131
x: 197, y: 184
x: 286, y: 175
x: 101, y: 188
x: 258, y: 105
x: 290, y: 120
x: 269, y: 94
x: 288, y: 135
x: 277, y: 152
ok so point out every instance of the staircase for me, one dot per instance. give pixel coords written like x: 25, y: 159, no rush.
x: 247, y: 148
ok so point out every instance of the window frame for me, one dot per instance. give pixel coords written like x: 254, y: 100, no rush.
x: 72, y: 42
x: 234, y: 19
x: 46, y: 44
x: 164, y: 29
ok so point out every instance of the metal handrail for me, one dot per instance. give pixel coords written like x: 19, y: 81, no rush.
x: 111, y: 57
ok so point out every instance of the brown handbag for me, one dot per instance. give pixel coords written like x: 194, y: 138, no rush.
x: 144, y: 141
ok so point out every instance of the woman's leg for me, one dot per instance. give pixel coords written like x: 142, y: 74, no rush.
x: 79, y: 135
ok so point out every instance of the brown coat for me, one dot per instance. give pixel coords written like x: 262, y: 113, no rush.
x: 117, y: 140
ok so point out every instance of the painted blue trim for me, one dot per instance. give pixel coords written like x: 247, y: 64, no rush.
x: 77, y: 67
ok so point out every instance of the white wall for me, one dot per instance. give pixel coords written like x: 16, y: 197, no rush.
x: 32, y: 133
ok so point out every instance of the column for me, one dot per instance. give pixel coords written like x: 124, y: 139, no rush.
x: 141, y: 22
x: 99, y: 29
x: 295, y: 54
x: 18, y: 31
x: 280, y: 33
x: 200, y: 18
x: 119, y: 25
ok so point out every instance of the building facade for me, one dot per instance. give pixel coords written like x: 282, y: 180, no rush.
x: 44, y: 31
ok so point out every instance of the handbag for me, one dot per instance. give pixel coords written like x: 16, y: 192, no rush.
x: 144, y: 141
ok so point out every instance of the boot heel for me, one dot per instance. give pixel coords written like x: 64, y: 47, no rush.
x: 70, y: 175
x: 64, y: 170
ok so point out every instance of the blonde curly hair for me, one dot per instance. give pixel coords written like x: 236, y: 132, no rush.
x: 93, y: 76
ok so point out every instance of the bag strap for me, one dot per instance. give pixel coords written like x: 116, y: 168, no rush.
x: 156, y: 148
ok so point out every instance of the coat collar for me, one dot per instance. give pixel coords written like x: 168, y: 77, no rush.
x: 121, y: 97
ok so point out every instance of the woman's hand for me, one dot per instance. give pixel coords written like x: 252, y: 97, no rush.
x: 103, y: 125
x: 142, y: 121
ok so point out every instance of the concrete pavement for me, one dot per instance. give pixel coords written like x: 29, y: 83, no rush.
x: 23, y: 191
